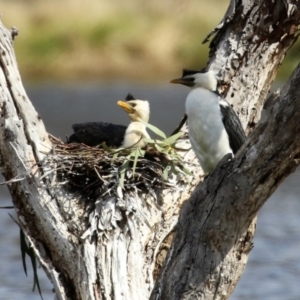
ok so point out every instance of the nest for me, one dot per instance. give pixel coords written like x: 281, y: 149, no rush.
x: 97, y: 176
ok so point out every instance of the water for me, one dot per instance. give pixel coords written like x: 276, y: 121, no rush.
x: 273, y: 269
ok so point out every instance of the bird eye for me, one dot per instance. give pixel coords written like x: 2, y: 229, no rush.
x: 133, y: 104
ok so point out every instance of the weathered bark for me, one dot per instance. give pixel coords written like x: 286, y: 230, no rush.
x: 216, y: 226
x: 250, y: 45
x: 211, y: 247
x: 121, y: 263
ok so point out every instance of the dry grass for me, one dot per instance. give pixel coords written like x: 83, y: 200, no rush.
x: 111, y: 184
x: 76, y: 39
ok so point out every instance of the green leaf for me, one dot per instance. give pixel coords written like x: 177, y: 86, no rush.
x: 136, y: 157
x: 175, y: 156
x: 153, y: 128
x: 172, y: 139
x: 159, y: 148
x: 142, y: 152
x: 123, y: 169
x: 115, y: 155
x: 173, y: 169
x: 136, y: 154
x: 24, y: 249
x: 149, y: 141
x: 161, y: 143
x: 35, y: 275
x: 166, y: 172
x: 106, y: 148
x: 185, y: 170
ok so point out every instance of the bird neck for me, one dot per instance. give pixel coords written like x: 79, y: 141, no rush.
x: 142, y: 116
x: 207, y: 81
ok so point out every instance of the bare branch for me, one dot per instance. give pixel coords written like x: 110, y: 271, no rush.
x: 217, y: 224
x: 213, y: 239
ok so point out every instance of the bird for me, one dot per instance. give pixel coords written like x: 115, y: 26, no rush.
x: 136, y: 131
x: 214, y: 128
x: 113, y: 135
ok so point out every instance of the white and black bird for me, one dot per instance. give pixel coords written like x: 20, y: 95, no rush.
x: 95, y: 133
x: 214, y: 128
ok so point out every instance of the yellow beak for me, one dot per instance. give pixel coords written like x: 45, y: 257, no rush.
x: 127, y: 107
x: 177, y: 80
x: 184, y: 81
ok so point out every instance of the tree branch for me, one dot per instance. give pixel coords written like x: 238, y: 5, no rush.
x: 216, y: 225
x: 212, y: 241
x: 250, y: 45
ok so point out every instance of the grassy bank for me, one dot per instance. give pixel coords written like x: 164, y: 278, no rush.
x: 107, y: 39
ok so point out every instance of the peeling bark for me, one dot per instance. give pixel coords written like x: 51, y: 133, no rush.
x: 216, y: 225
x: 215, y: 229
x: 250, y: 45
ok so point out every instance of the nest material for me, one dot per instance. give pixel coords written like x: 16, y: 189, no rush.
x: 111, y: 182
x: 85, y: 169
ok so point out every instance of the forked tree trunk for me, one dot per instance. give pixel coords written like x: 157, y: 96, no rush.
x: 216, y: 225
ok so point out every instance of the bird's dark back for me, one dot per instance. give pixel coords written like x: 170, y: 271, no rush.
x: 95, y: 133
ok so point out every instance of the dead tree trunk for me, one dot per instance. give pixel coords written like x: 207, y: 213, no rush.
x: 216, y: 225
x: 215, y: 228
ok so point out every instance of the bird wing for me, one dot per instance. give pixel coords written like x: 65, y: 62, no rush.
x: 95, y: 133
x: 232, y: 125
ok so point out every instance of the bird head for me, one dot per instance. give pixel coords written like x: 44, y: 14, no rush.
x: 135, y: 108
x: 200, y: 78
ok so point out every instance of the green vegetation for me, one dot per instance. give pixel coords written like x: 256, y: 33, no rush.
x: 138, y: 40
x: 166, y: 153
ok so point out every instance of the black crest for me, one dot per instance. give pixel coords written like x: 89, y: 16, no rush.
x: 129, y: 97
x: 186, y: 72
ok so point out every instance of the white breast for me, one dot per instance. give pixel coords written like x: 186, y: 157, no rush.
x: 134, y: 135
x: 207, y: 134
